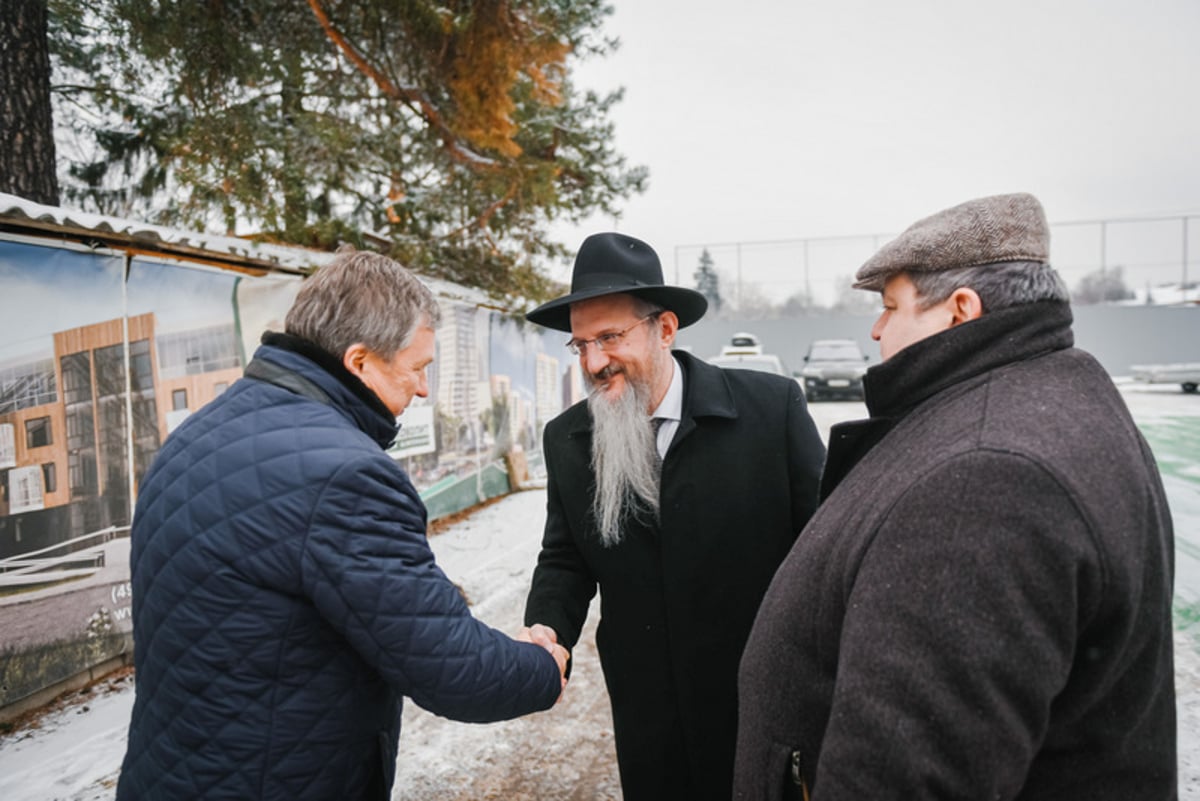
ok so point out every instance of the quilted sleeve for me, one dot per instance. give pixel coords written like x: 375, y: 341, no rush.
x: 368, y: 569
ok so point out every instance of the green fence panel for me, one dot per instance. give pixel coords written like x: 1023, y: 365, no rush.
x: 446, y: 499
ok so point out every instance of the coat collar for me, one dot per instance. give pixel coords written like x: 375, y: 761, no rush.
x: 936, y: 364
x: 346, y: 392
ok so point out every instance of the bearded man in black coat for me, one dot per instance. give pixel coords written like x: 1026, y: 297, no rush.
x: 981, y: 607
x: 680, y: 522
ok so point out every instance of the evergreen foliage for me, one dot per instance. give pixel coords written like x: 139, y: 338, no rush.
x: 445, y: 134
x: 708, y: 282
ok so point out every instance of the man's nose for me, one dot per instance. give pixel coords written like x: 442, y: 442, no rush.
x: 594, y: 360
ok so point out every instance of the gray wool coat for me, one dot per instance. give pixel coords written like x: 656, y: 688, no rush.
x: 981, y: 607
x: 677, y: 599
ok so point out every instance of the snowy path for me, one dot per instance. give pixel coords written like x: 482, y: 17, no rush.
x: 566, y: 753
x: 76, y: 751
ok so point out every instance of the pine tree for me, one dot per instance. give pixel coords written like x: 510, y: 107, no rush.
x: 708, y: 283
x: 446, y: 134
x: 1103, y: 285
x: 27, y: 154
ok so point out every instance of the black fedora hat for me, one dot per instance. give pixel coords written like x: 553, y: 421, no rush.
x: 612, y: 263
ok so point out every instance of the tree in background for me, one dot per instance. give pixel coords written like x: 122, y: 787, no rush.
x: 752, y: 303
x: 1101, y: 286
x: 26, y: 129
x: 797, y: 304
x: 445, y: 134
x: 708, y: 283
x: 496, y: 422
x: 854, y: 301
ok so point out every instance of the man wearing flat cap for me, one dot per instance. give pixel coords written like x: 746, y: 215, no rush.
x: 981, y: 607
x: 676, y: 488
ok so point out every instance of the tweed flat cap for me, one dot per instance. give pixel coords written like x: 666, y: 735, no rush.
x: 986, y: 230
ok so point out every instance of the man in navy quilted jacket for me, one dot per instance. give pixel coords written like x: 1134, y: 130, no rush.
x: 285, y: 597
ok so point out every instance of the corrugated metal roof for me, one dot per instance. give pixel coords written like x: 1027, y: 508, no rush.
x: 24, y: 217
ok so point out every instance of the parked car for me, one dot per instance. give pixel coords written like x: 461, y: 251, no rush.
x: 744, y: 352
x: 834, y: 368
x: 1186, y: 375
x: 763, y: 362
x: 742, y: 342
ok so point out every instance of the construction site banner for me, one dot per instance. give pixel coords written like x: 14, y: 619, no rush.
x: 106, y: 350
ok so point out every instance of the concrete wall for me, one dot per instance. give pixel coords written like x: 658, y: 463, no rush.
x: 55, y: 637
x: 1118, y: 336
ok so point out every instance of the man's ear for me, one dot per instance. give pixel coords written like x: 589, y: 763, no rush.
x: 355, y: 358
x: 668, y: 323
x: 965, y: 305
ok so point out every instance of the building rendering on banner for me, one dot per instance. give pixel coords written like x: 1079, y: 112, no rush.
x: 64, y: 422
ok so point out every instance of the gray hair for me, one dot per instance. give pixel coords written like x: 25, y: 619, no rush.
x: 362, y: 297
x: 643, y: 307
x: 999, y: 285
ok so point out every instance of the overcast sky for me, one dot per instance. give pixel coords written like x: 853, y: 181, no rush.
x: 781, y: 119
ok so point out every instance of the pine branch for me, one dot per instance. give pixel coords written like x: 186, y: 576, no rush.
x: 482, y: 220
x: 415, y: 99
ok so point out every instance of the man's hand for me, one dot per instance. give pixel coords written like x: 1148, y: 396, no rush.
x: 543, y: 635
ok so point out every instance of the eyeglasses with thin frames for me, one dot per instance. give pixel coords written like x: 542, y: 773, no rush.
x: 606, y: 342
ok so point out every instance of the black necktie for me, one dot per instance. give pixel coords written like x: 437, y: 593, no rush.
x: 655, y: 424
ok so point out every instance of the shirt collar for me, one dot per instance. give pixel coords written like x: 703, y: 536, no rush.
x: 671, y: 407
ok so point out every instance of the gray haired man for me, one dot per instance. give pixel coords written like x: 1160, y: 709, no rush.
x: 981, y: 606
x: 285, y: 596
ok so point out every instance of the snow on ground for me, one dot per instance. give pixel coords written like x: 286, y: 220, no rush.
x: 73, y: 752
x: 564, y: 753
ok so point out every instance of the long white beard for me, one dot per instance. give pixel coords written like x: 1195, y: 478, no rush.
x: 624, y: 459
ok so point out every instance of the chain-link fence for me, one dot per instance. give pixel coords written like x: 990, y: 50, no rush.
x: 1135, y: 260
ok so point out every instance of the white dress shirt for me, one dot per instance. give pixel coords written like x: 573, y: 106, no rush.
x: 671, y: 409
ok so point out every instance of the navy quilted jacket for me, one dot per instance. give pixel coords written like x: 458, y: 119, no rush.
x: 285, y: 599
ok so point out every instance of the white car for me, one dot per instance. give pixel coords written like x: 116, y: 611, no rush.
x: 763, y: 362
x: 742, y: 342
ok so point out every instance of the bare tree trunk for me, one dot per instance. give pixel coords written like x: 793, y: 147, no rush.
x: 27, y: 164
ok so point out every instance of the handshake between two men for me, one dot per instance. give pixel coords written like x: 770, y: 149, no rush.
x: 546, y: 637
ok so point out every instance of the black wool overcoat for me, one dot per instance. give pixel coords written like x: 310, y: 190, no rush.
x: 677, y: 598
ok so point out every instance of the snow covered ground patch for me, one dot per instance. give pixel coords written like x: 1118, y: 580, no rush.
x: 73, y: 750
